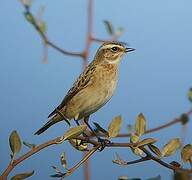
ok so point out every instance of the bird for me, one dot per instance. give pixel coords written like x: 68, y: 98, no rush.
x: 93, y: 88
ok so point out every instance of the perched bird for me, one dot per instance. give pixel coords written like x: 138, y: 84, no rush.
x: 94, y: 87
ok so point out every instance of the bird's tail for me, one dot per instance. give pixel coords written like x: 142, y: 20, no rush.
x: 51, y: 122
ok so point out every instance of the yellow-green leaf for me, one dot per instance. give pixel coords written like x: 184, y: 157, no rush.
x: 155, y: 178
x: 63, y: 160
x: 29, y: 145
x: 27, y: 3
x: 22, y: 176
x: 29, y: 17
x: 15, y: 143
x: 190, y: 94
x: 99, y: 128
x: 114, y: 127
x: 109, y: 27
x: 122, y: 178
x: 155, y: 150
x: 140, y: 125
x: 74, y: 132
x: 119, y: 31
x: 146, y: 142
x: 186, y: 153
x: 77, y: 144
x: 137, y: 151
x: 171, y: 147
x: 134, y: 138
x: 43, y: 26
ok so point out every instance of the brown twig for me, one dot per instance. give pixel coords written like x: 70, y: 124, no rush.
x: 85, y: 158
x: 148, y: 157
x: 95, y: 143
x: 124, y: 163
x: 166, y: 125
x: 30, y: 17
x: 31, y: 152
x: 169, y: 166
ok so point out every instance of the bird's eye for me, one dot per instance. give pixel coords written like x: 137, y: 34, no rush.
x: 114, y: 49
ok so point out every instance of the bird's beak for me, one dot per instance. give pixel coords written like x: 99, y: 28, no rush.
x: 129, y: 49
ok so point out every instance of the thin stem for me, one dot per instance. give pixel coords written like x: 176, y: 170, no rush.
x: 166, y: 125
x: 63, y: 51
x: 34, y: 150
x: 138, y: 160
x: 29, y: 16
x: 124, y: 163
x: 84, y: 159
x: 169, y: 166
x: 89, y: 32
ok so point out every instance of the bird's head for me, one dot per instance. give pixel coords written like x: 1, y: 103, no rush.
x: 111, y: 52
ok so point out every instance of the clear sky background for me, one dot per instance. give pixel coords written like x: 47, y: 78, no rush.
x: 154, y: 79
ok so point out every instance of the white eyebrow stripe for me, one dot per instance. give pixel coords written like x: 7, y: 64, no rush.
x: 110, y: 46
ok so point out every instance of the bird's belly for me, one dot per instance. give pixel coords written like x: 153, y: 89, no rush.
x: 90, y: 100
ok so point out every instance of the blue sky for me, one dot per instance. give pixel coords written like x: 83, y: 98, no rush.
x: 154, y: 79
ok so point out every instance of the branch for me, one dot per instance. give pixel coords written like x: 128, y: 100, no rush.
x: 30, y: 17
x: 169, y: 166
x: 122, y: 162
x: 166, y: 125
x: 33, y: 151
x: 84, y: 159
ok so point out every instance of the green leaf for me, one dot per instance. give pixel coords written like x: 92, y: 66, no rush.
x: 15, y: 143
x: 123, y: 178
x: 146, y: 142
x: 29, y: 145
x: 29, y: 17
x: 78, y: 144
x: 115, y: 126
x: 74, y: 132
x: 63, y: 160
x: 43, y: 26
x: 39, y: 20
x: 109, y: 27
x: 26, y: 3
x: 171, y: 147
x: 155, y: 178
x: 118, y: 160
x: 22, y: 176
x: 134, y: 138
x: 99, y: 128
x: 190, y: 95
x: 155, y: 150
x: 119, y: 31
x: 186, y: 153
x: 137, y: 151
x: 140, y: 125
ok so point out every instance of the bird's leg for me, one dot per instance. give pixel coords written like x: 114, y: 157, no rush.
x: 78, y: 124
x: 102, y: 141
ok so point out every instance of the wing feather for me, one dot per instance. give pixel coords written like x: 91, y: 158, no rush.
x: 82, y: 82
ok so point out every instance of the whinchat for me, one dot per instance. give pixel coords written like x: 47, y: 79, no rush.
x: 93, y: 88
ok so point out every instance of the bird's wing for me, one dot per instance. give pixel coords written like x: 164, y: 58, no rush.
x: 82, y: 82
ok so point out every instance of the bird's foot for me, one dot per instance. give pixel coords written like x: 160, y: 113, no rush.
x: 103, y: 143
